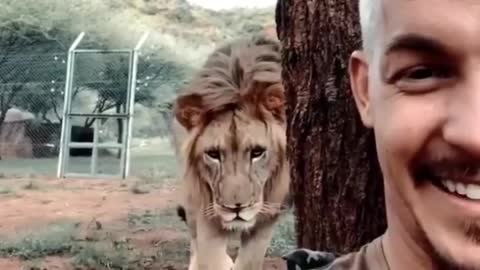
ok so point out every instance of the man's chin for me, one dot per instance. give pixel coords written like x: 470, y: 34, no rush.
x: 456, y: 253
x: 452, y: 227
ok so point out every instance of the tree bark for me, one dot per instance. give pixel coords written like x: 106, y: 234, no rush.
x: 336, y: 181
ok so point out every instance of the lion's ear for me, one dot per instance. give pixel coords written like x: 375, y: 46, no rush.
x: 188, y: 110
x: 274, y: 101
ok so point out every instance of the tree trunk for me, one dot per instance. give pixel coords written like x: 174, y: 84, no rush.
x: 336, y: 181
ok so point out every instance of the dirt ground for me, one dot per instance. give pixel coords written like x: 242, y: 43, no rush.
x: 116, y: 225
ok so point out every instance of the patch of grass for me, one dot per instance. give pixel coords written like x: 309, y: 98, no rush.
x: 106, y: 256
x: 173, y: 252
x: 32, y: 185
x: 284, y: 238
x: 150, y: 220
x: 35, y: 264
x: 111, y: 255
x: 54, y: 239
x: 154, y: 175
x: 5, y: 190
x: 155, y: 168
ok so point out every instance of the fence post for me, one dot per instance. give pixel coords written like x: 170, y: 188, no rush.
x: 66, y: 105
x: 131, y: 105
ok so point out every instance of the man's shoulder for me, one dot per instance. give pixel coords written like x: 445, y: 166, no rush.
x: 368, y: 257
x: 351, y: 261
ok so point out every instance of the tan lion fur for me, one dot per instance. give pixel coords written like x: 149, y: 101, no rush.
x: 235, y: 103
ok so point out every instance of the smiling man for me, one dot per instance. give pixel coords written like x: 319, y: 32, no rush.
x: 416, y: 83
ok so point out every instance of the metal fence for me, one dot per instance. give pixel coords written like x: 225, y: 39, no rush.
x: 31, y: 109
x: 31, y: 98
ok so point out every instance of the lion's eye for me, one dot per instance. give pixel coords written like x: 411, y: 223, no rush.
x: 213, y: 154
x: 256, y: 152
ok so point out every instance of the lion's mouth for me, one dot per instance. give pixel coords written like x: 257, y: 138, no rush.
x: 238, y: 213
x: 238, y: 218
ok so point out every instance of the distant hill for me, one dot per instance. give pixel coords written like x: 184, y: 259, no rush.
x: 185, y: 31
x: 182, y: 30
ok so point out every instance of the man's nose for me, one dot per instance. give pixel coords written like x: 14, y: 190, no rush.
x: 462, y: 127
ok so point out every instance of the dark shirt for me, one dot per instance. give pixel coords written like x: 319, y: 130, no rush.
x: 368, y: 257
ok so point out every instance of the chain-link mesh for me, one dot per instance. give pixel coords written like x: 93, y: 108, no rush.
x: 31, y: 104
x: 31, y: 110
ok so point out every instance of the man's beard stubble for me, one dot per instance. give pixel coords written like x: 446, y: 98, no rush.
x: 444, y: 163
x: 446, y: 261
x: 472, y: 232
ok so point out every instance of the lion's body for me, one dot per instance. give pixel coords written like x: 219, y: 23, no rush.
x: 231, y: 145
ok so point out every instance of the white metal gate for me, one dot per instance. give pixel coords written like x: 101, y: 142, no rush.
x: 126, y: 116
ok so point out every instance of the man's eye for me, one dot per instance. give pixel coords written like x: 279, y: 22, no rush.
x: 422, y: 79
x: 420, y: 73
x: 425, y: 72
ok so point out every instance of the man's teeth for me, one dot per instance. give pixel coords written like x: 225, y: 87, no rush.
x: 470, y: 191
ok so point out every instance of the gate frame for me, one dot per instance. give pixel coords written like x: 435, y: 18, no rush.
x: 65, y: 139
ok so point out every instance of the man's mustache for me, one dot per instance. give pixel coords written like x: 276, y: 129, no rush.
x: 453, y: 166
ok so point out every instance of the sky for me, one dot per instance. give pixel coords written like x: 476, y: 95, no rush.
x: 226, y: 4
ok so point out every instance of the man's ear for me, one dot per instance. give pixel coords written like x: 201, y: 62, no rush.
x: 358, y: 72
x: 188, y: 110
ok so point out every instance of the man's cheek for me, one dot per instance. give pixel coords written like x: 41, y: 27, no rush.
x: 404, y: 124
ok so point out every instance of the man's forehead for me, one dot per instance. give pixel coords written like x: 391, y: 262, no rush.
x: 428, y: 23
x: 392, y: 6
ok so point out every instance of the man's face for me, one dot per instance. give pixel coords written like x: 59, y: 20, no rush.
x: 420, y: 92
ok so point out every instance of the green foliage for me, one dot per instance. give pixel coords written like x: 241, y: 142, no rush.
x: 181, y: 15
x: 17, y: 69
x: 284, y: 238
x: 41, y: 86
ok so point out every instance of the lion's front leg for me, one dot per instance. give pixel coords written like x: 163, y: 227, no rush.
x: 251, y: 254
x: 225, y: 261
x: 193, y: 254
x: 211, y: 248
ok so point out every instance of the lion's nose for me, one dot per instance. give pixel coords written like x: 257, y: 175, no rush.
x: 237, y: 208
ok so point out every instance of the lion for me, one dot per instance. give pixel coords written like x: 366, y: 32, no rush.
x: 230, y: 128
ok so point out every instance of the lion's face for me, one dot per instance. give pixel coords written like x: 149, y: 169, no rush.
x: 236, y: 155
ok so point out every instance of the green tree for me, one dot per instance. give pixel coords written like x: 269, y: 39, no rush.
x: 24, y: 47
x: 154, y: 84
x: 43, y: 91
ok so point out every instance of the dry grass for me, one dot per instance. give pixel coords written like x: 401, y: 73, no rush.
x: 149, y: 235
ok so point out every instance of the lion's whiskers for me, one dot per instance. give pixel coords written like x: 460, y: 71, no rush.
x: 270, y: 209
x: 209, y: 211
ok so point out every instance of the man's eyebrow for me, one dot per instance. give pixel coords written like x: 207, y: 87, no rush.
x: 415, y: 43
